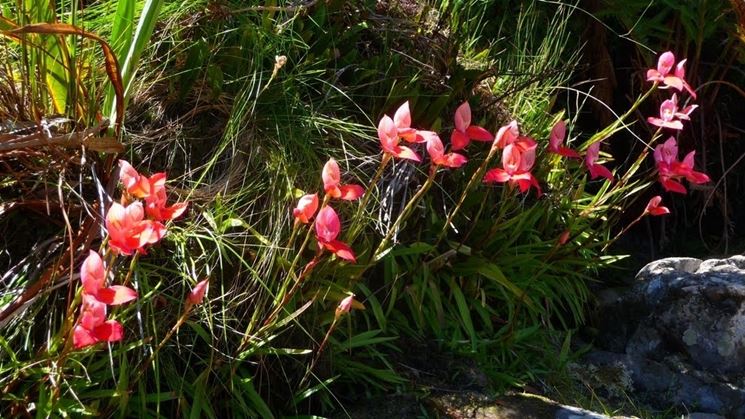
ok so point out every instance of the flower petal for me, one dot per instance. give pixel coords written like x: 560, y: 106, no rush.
x: 340, y: 249
x: 350, y: 192
x: 116, y: 295
x: 111, y: 331
x: 404, y: 152
x: 197, y: 293
x: 402, y: 117
x: 328, y: 225
x: 458, y: 140
x: 479, y: 134
x: 463, y: 117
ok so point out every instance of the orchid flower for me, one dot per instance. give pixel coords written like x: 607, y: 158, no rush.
x: 93, y: 326
x: 332, y: 183
x: 306, y: 208
x: 556, y: 140
x: 670, y: 170
x: 402, y: 121
x: 670, y: 116
x: 593, y: 152
x: 92, y: 276
x: 328, y: 228
x: 389, y: 139
x: 134, y: 183
x: 345, y: 306
x: 197, y: 293
x: 436, y: 151
x: 517, y: 161
x: 662, y: 74
x: 128, y: 232
x: 507, y: 135
x: 465, y: 132
x: 155, y: 202
x: 654, y: 207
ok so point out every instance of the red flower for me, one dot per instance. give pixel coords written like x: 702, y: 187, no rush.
x: 128, y: 232
x: 92, y: 276
x: 662, y: 73
x: 556, y: 140
x: 593, y: 152
x: 155, y: 201
x: 507, y: 134
x: 465, y: 132
x: 93, y: 327
x: 328, y: 228
x: 332, y: 183
x: 654, y: 207
x: 436, y: 151
x: 135, y: 184
x: 389, y: 139
x: 306, y: 208
x: 517, y: 161
x: 670, y: 170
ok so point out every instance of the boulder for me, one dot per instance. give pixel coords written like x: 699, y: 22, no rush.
x: 679, y: 330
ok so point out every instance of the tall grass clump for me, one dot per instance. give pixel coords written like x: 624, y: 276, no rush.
x: 314, y: 244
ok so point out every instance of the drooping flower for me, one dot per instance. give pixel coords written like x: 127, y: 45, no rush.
x: 436, y: 151
x: 197, y: 293
x: 328, y: 228
x: 128, y: 232
x: 389, y: 139
x: 93, y: 326
x: 662, y: 74
x: 306, y: 208
x: 517, y: 162
x: 345, y: 306
x: 92, y: 276
x: 654, y: 207
x: 556, y: 140
x: 465, y: 132
x: 332, y: 183
x: 592, y: 155
x: 670, y: 116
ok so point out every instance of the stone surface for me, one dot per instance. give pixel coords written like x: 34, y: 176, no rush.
x: 678, y: 334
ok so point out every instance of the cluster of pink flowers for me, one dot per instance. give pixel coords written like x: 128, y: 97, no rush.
x: 131, y: 227
x: 327, y: 223
x: 670, y: 169
x: 518, y: 151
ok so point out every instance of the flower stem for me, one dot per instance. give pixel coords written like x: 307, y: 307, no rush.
x: 406, y: 212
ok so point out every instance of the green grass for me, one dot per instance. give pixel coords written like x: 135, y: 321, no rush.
x: 243, y: 138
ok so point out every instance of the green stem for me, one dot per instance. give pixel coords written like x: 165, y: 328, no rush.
x: 405, y: 213
x: 476, y: 177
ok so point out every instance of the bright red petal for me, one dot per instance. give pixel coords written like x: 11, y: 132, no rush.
x: 600, y: 170
x: 458, y: 140
x: 82, y: 337
x: 568, y: 152
x: 341, y: 250
x: 111, y: 331
x: 496, y: 175
x: 197, y: 293
x: 116, y: 294
x: 454, y: 160
x: 328, y: 225
x: 673, y: 186
x: 479, y: 134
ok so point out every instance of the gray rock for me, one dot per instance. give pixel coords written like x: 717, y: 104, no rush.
x: 679, y: 331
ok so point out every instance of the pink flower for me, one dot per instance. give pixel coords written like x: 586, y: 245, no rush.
x: 507, y: 135
x: 670, y: 116
x: 155, y: 201
x: 345, y: 306
x: 593, y: 152
x: 517, y: 161
x: 654, y: 207
x: 134, y: 183
x: 306, y: 208
x: 556, y: 140
x: 332, y: 183
x: 662, y: 73
x: 436, y: 151
x: 389, y: 139
x: 670, y: 170
x: 328, y: 228
x: 93, y: 327
x: 465, y: 132
x: 92, y: 276
x: 197, y: 293
x: 128, y: 232
x: 402, y: 121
